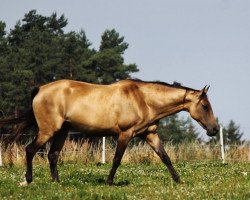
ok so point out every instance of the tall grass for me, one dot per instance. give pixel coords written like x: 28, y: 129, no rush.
x: 85, y: 152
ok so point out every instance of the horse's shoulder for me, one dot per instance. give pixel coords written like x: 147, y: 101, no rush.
x: 127, y: 86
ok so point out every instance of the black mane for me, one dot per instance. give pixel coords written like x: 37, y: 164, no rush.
x: 174, y: 85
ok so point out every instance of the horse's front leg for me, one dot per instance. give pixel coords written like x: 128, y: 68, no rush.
x: 122, y: 144
x: 154, y: 141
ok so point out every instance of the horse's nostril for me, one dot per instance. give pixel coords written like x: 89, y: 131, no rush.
x: 215, y: 130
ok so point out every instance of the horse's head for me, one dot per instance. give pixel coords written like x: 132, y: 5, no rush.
x: 200, y: 109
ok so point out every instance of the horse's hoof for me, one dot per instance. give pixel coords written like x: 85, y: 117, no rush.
x: 177, y: 180
x: 180, y: 182
x: 24, y: 183
x: 110, y: 183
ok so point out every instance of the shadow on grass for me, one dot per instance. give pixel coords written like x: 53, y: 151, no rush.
x: 80, y: 178
x: 121, y: 183
x: 103, y: 181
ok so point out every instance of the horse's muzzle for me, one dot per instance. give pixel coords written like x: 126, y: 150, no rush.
x: 213, y: 131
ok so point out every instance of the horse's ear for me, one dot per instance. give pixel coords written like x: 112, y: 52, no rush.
x: 204, y: 90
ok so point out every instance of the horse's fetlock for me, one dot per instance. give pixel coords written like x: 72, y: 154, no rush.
x: 53, y: 157
x: 177, y: 179
x: 28, y: 149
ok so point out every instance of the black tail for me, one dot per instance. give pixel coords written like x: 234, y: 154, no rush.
x: 15, y: 120
x: 23, y: 122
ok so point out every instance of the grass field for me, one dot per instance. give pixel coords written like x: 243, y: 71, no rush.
x: 201, y: 180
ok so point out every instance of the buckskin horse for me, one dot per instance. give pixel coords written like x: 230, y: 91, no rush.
x: 127, y: 109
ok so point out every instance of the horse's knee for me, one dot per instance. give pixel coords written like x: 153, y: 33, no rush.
x: 53, y: 157
x: 30, y: 151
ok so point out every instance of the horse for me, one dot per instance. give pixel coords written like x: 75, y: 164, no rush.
x: 126, y: 109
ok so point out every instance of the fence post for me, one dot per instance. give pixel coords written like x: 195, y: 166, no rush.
x: 103, y: 150
x: 249, y: 151
x: 222, y: 145
x: 1, y: 160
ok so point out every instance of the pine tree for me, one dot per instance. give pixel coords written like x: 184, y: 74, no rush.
x: 233, y: 134
x: 176, y: 130
x: 38, y: 51
x: 75, y: 50
x: 4, y: 70
x: 108, y: 63
x: 112, y: 40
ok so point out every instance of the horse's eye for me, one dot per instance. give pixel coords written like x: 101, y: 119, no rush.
x: 205, y: 107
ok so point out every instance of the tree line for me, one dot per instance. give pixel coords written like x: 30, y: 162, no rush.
x: 38, y: 50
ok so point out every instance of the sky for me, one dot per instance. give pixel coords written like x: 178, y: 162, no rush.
x: 194, y: 42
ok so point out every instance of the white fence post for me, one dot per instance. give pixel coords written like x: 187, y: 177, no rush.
x: 222, y: 145
x: 103, y: 150
x: 1, y: 160
x: 249, y: 151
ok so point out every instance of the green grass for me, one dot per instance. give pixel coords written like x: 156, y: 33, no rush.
x: 201, y: 180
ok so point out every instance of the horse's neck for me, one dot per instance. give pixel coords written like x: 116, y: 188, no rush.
x: 164, y: 101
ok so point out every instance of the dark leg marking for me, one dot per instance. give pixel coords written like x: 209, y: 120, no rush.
x: 31, y: 150
x: 120, y: 149
x: 154, y: 141
x: 56, y: 147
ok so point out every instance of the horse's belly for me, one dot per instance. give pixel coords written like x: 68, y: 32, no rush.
x: 94, y: 127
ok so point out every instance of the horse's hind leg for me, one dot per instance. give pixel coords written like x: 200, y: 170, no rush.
x: 56, y: 147
x: 31, y: 150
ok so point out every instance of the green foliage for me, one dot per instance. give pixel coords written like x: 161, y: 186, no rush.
x: 3, y: 41
x: 112, y: 40
x: 108, y: 64
x: 233, y: 134
x: 176, y: 130
x: 38, y: 51
x: 202, y: 180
